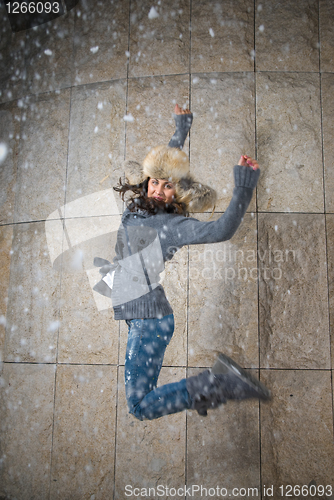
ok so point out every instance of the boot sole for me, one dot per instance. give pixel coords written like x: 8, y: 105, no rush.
x: 224, y: 364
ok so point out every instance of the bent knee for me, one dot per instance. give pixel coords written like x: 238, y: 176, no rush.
x: 135, y: 411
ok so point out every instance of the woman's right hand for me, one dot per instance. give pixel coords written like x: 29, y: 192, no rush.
x: 247, y: 161
x: 181, y: 111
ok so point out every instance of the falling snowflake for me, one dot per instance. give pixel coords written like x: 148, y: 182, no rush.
x: 3, y: 152
x: 128, y: 118
x: 153, y: 13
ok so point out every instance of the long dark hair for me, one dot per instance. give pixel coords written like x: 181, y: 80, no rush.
x: 139, y: 199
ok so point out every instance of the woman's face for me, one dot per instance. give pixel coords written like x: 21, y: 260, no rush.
x: 161, y: 190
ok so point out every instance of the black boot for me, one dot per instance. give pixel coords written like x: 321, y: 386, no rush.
x: 205, y: 391
x: 226, y: 380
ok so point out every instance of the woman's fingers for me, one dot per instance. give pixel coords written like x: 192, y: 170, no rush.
x: 180, y: 111
x: 247, y: 161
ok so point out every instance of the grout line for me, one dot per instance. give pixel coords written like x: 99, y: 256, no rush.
x: 52, y: 430
x: 194, y: 213
x: 187, y: 288
x: 319, y: 39
x: 13, y: 236
x: 60, y: 291
x: 266, y: 369
x: 114, y: 80
x: 123, y: 205
x: 257, y: 248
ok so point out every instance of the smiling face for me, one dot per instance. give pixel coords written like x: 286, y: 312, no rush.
x: 161, y: 190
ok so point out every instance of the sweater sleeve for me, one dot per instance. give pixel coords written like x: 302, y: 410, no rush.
x: 190, y: 231
x: 182, y: 127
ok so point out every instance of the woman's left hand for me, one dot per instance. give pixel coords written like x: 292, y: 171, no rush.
x: 247, y: 161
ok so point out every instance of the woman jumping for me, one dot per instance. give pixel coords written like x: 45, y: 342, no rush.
x: 154, y: 226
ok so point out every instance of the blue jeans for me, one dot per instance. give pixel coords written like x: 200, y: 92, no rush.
x: 147, y: 342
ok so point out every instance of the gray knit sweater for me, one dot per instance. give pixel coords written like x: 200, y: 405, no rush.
x: 146, y: 241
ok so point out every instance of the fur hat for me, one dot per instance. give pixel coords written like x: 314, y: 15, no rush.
x: 163, y: 162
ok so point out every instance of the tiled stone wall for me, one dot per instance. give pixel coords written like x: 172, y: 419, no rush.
x: 259, y: 78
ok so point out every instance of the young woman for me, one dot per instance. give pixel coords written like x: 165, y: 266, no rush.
x: 154, y: 226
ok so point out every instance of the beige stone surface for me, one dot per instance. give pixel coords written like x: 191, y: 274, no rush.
x: 297, y: 430
x: 289, y: 142
x: 293, y: 297
x: 12, y: 61
x: 96, y: 149
x: 42, y: 156
x: 222, y: 36
x: 100, y: 41
x: 223, y: 448
x: 287, y: 35
x: 223, y: 299
x: 88, y: 332
x: 49, y: 55
x: 86, y: 335
x: 84, y: 432
x: 327, y: 93
x: 159, y: 38
x: 151, y: 103
x: 10, y: 118
x: 26, y: 413
x: 6, y: 235
x: 330, y: 257
x: 326, y: 17
x: 150, y: 453
x: 33, y: 298
x: 223, y: 129
x: 174, y: 282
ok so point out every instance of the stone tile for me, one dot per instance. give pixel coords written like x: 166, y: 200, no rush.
x: 12, y: 60
x: 10, y: 117
x: 223, y: 449
x: 222, y: 36
x: 327, y: 94
x: 96, y: 149
x: 49, y: 55
x: 26, y: 412
x: 297, y: 430
x: 326, y: 17
x: 6, y: 235
x: 287, y: 36
x: 151, y: 103
x: 293, y: 299
x: 84, y: 432
x: 33, y: 299
x: 174, y: 281
x: 223, y: 129
x: 152, y: 452
x: 223, y: 299
x: 330, y: 254
x: 42, y: 156
x: 101, y: 42
x: 159, y: 38
x: 289, y: 143
x: 88, y: 332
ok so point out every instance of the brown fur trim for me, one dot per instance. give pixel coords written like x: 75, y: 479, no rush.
x: 133, y: 172
x: 163, y: 162
x: 198, y: 197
